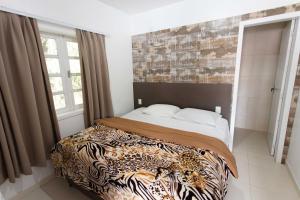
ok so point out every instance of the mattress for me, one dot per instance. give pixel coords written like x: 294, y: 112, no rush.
x: 220, y: 131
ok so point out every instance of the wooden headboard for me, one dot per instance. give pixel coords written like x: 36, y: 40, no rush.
x: 194, y: 95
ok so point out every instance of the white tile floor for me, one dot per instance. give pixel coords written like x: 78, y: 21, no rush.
x: 260, y: 178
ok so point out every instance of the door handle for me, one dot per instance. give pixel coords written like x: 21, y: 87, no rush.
x: 274, y: 89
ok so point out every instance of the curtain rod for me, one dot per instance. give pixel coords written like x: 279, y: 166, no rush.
x: 49, y: 20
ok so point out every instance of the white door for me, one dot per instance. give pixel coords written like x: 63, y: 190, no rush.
x: 277, y: 90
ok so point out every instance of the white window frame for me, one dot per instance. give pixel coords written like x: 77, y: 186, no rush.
x: 63, y: 58
x: 69, y: 74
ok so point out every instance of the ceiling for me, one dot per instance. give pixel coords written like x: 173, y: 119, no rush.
x: 138, y: 6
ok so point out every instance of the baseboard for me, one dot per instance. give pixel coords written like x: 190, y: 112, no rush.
x: 251, y: 130
x: 33, y: 187
x: 297, y: 183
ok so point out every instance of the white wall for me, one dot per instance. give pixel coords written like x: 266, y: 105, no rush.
x: 92, y: 15
x: 195, y: 11
x: 293, y: 159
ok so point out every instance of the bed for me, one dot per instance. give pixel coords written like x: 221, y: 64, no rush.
x: 144, y: 157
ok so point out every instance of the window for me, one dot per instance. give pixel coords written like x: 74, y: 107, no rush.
x: 62, y: 59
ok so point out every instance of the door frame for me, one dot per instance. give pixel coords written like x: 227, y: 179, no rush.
x: 273, y: 143
x: 290, y: 77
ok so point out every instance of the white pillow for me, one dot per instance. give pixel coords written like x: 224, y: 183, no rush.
x: 161, y: 110
x: 198, y: 116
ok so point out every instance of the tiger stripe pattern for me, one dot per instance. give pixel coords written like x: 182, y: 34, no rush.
x: 116, y: 164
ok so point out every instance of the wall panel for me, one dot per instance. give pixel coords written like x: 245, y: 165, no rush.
x: 197, y: 53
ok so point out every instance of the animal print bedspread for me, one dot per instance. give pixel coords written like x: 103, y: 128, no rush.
x: 119, y: 165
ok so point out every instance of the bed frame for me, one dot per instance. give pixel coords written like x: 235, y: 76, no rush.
x: 202, y: 96
x: 194, y: 95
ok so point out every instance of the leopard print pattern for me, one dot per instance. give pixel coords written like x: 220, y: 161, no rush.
x: 118, y: 165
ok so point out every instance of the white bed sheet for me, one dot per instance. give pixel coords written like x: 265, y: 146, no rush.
x: 221, y: 131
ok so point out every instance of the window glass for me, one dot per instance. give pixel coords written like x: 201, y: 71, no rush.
x: 74, y: 66
x: 78, y: 97
x: 73, y: 49
x: 49, y: 46
x: 56, y: 84
x: 59, y: 101
x: 53, y: 65
x: 76, y: 82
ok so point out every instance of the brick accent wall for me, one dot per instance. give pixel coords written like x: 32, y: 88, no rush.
x: 292, y: 113
x: 198, y: 53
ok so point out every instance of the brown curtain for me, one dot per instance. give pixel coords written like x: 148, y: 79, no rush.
x: 28, y: 124
x: 95, y: 78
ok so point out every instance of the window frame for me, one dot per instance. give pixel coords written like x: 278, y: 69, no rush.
x: 69, y: 74
x: 65, y: 73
